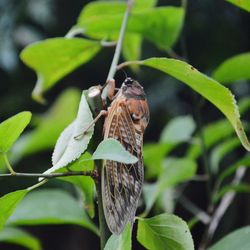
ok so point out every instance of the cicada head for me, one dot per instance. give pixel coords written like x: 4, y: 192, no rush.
x: 132, y: 89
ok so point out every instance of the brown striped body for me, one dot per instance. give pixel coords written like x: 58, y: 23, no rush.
x: 126, y: 122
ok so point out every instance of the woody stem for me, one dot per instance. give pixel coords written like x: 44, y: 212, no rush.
x: 118, y: 48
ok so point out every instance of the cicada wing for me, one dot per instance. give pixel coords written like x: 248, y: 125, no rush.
x: 122, y: 183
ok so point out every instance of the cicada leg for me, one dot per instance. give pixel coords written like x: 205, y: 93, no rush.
x: 102, y: 113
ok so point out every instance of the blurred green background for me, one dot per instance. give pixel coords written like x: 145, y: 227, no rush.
x: 214, y: 30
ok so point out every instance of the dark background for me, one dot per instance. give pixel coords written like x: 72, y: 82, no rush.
x: 214, y: 30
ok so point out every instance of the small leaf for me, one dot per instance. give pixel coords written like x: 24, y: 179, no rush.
x: 103, y: 19
x: 50, y: 207
x: 175, y: 171
x: 244, y: 4
x: 214, y: 92
x: 178, y: 130
x: 11, y: 129
x: 222, y: 150
x: 234, y: 69
x: 68, y: 148
x: 19, y: 237
x: 54, y: 58
x: 120, y: 242
x: 238, y: 188
x: 49, y: 127
x: 111, y: 149
x: 165, y: 231
x: 8, y: 203
x: 238, y: 239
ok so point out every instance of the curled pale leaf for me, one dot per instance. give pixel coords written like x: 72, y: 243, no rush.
x: 69, y: 148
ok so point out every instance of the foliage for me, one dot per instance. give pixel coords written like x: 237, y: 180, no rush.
x: 183, y: 148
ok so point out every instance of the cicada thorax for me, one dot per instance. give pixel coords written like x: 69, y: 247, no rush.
x: 126, y: 121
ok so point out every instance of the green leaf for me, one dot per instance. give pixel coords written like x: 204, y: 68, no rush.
x: 120, y: 242
x: 238, y: 239
x: 8, y: 204
x: 111, y: 149
x: 11, y: 129
x: 51, y: 124
x: 50, y: 207
x: 54, y: 58
x: 165, y: 231
x: 220, y: 151
x: 217, y: 94
x: 175, y: 171
x: 238, y: 188
x: 234, y: 69
x: 68, y: 148
x: 85, y: 184
x: 244, y: 4
x: 153, y: 155
x: 178, y: 130
x: 19, y: 237
x: 103, y: 19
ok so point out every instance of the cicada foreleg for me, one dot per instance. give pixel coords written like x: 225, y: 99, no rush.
x: 102, y: 113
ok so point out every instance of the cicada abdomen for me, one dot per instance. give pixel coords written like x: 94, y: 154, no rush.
x: 126, y: 122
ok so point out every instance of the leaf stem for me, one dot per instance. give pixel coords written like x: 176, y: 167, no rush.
x: 92, y: 174
x: 118, y: 48
x: 8, y: 164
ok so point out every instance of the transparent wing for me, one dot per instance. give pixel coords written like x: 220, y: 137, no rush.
x: 122, y: 183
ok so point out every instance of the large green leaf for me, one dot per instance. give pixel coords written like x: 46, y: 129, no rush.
x: 214, y: 92
x: 233, y: 69
x: 120, y: 242
x: 239, y: 239
x: 49, y: 126
x: 8, y: 203
x: 165, y: 231
x: 244, y: 4
x: 175, y: 171
x: 11, y: 129
x: 54, y: 58
x: 19, y: 237
x: 50, y: 207
x: 103, y: 19
x: 111, y: 149
x: 68, y: 148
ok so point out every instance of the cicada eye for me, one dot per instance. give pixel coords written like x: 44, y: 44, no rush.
x: 128, y: 81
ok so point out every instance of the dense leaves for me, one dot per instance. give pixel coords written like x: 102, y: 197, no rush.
x: 103, y: 19
x: 165, y: 231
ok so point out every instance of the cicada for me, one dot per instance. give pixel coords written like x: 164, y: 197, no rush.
x: 126, y: 121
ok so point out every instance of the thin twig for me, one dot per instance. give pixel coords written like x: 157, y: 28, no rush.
x: 5, y: 157
x: 221, y: 209
x: 192, y: 208
x: 118, y: 48
x: 92, y: 174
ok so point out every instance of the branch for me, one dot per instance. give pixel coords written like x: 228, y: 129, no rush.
x: 118, y: 49
x: 92, y: 174
x: 221, y: 209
